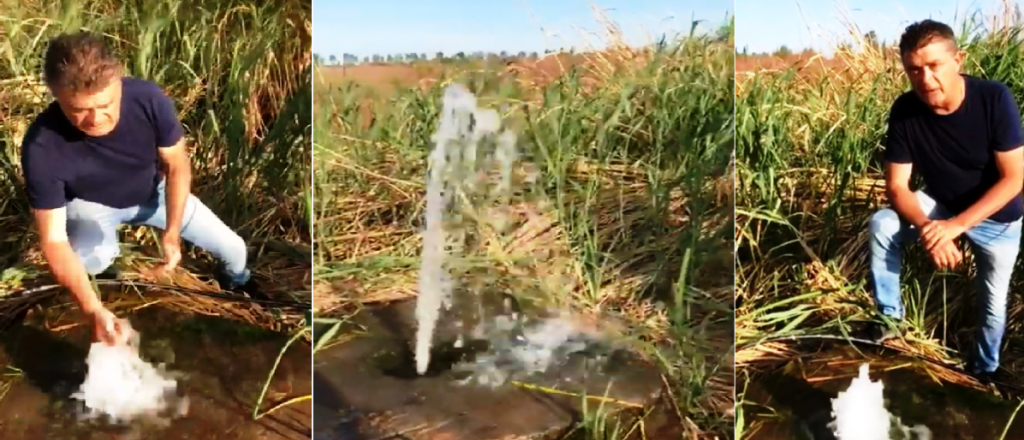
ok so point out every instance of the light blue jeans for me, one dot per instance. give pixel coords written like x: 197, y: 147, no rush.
x: 995, y: 247
x: 92, y: 231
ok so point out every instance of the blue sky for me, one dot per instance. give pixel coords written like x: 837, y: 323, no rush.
x: 765, y: 25
x: 402, y: 26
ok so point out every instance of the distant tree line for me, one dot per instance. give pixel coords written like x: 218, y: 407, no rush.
x: 869, y: 39
x: 351, y: 59
x: 724, y: 34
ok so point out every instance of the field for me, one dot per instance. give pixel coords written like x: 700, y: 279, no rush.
x: 806, y: 63
x: 808, y: 178
x: 635, y: 169
x: 240, y: 77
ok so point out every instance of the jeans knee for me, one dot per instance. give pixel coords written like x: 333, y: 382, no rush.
x: 95, y: 244
x: 98, y: 258
x: 884, y: 223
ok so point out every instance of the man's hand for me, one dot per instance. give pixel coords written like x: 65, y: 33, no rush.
x: 107, y: 328
x: 937, y: 232
x: 946, y: 255
x: 171, y: 242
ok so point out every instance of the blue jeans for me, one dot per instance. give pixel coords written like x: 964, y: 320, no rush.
x: 995, y: 247
x: 92, y: 231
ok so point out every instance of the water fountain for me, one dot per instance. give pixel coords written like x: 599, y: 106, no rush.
x: 453, y: 180
x: 122, y: 387
x: 859, y: 413
x: 470, y: 339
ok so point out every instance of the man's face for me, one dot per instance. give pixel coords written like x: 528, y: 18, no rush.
x: 96, y: 112
x: 934, y: 72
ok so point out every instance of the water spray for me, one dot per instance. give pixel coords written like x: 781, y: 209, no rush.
x: 859, y: 414
x: 123, y: 387
x: 452, y: 175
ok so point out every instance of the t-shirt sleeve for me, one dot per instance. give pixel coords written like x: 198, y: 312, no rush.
x: 168, y: 128
x: 1006, y: 124
x: 896, y: 143
x: 45, y: 189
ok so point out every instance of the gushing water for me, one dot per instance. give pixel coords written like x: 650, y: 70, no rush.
x: 457, y: 173
x: 469, y: 188
x: 859, y: 414
x: 123, y: 387
x: 520, y: 349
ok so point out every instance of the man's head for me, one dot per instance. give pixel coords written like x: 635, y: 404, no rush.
x: 85, y: 77
x: 932, y: 61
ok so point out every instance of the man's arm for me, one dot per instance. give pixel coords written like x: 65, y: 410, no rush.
x: 46, y: 197
x: 53, y: 238
x: 179, y: 182
x: 899, y: 168
x: 903, y: 199
x: 1011, y: 181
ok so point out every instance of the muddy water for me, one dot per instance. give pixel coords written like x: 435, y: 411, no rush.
x: 367, y: 388
x: 225, y: 364
x: 800, y: 409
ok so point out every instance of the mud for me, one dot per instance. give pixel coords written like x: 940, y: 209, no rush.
x: 224, y: 365
x: 367, y: 388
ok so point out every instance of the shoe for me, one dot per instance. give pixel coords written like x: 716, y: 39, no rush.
x: 878, y: 332
x: 993, y: 381
x: 111, y: 273
x: 250, y: 288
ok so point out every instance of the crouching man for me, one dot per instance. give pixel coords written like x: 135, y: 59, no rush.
x: 108, y: 151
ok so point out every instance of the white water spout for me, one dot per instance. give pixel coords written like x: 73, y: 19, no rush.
x: 123, y: 387
x: 454, y: 176
x: 859, y: 413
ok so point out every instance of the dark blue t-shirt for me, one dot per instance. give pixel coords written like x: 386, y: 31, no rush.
x: 955, y: 153
x: 120, y: 169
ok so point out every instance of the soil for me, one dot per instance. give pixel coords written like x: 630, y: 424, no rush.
x: 368, y: 388
x: 788, y: 405
x: 225, y: 364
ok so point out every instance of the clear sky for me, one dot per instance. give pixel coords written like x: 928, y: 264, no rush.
x: 372, y: 27
x: 766, y: 25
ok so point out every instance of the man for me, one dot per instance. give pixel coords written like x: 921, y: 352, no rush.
x: 110, y: 151
x: 963, y: 135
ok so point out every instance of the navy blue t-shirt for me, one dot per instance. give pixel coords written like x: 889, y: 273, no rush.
x: 120, y: 169
x: 955, y: 153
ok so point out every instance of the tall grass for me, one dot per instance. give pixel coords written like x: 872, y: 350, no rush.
x: 809, y: 177
x: 633, y: 149
x: 239, y: 73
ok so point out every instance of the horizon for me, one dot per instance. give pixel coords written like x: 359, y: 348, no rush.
x: 821, y: 26
x: 506, y: 26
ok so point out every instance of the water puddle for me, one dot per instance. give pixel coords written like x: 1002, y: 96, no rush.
x: 787, y: 404
x: 369, y: 387
x: 223, y: 365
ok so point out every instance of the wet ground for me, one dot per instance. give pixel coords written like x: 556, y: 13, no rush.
x: 368, y: 389
x: 791, y: 405
x: 225, y: 364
